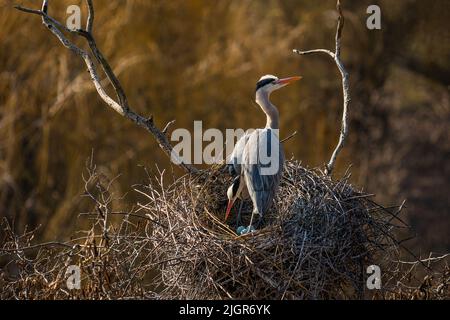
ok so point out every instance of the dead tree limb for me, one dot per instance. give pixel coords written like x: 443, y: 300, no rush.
x: 336, y: 56
x: 121, y: 105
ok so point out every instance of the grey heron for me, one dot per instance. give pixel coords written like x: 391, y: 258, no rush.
x: 258, y: 158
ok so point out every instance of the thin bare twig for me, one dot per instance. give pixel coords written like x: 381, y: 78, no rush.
x: 336, y: 56
x: 289, y: 137
x: 37, y: 246
x: 431, y: 259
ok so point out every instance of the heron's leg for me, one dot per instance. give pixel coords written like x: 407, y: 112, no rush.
x: 239, y: 216
x: 258, y: 223
x: 251, y: 219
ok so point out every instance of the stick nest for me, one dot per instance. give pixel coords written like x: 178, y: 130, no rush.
x: 315, y: 243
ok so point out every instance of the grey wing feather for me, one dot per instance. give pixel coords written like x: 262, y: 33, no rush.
x: 262, y: 187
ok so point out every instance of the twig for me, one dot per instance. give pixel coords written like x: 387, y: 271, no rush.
x: 47, y: 244
x: 289, y: 137
x: 336, y: 56
x: 425, y: 260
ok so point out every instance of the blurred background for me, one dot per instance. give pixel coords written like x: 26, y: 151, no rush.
x: 200, y: 60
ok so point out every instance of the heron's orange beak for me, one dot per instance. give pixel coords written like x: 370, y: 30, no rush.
x: 230, y: 205
x: 289, y: 80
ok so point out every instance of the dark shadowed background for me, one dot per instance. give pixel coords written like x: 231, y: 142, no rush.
x: 200, y: 60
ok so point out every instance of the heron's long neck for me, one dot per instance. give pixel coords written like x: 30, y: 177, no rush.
x: 262, y: 98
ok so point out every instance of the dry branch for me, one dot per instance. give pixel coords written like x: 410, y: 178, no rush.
x: 121, y: 105
x: 336, y: 56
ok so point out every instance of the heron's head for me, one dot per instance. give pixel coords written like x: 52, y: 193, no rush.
x: 233, y: 193
x: 269, y: 83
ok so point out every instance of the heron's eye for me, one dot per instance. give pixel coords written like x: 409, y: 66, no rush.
x: 265, y: 82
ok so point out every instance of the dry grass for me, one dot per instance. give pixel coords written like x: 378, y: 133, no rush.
x: 316, y: 243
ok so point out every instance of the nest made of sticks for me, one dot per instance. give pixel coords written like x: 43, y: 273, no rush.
x: 316, y: 242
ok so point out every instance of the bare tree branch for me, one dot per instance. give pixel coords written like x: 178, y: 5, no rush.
x: 430, y: 259
x: 336, y: 56
x: 121, y: 106
x: 90, y: 20
x: 293, y: 134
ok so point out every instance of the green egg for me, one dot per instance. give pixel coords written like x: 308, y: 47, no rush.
x: 240, y: 230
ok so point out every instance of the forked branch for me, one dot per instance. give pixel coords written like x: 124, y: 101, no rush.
x: 121, y: 104
x: 336, y: 56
